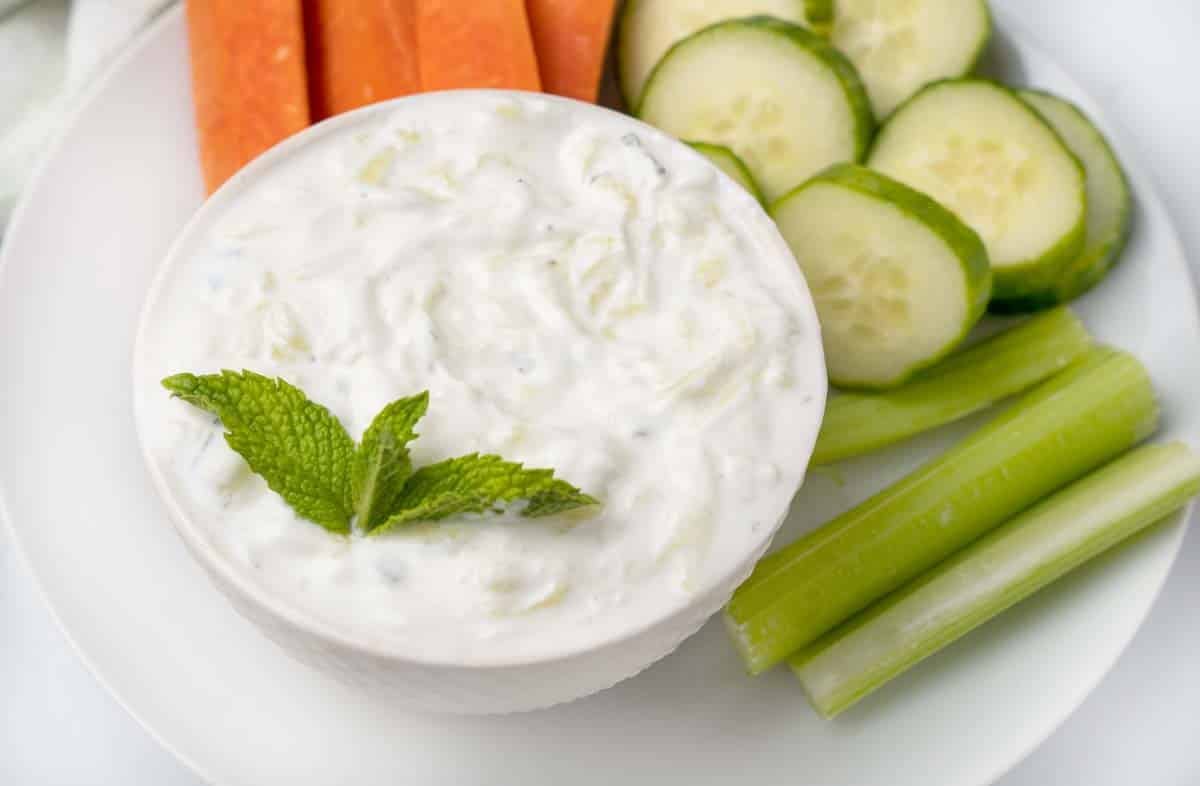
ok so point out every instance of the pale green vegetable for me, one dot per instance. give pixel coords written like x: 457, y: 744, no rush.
x: 898, y: 280
x: 898, y: 46
x: 1066, y: 427
x: 728, y: 162
x: 1110, y: 206
x: 778, y: 95
x: 992, y: 574
x: 962, y: 384
x: 986, y: 155
x: 648, y: 28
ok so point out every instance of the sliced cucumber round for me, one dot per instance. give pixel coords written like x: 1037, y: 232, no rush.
x: 1110, y: 205
x: 898, y: 46
x: 728, y: 162
x: 898, y: 280
x: 778, y: 95
x: 648, y: 28
x: 985, y: 154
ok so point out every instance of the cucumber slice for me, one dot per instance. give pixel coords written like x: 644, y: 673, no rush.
x: 898, y: 46
x: 778, y: 95
x: 728, y: 162
x: 1110, y: 206
x: 898, y: 280
x: 1074, y: 422
x: 648, y: 28
x: 985, y: 154
x: 1003, y: 568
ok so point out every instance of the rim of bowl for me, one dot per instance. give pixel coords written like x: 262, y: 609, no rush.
x: 294, y: 615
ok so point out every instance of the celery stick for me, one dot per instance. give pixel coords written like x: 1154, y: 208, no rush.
x: 1003, y: 365
x: 995, y: 572
x: 1093, y: 411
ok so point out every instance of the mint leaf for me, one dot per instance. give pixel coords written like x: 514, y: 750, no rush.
x: 382, y: 463
x: 306, y: 457
x: 296, y: 445
x: 476, y: 484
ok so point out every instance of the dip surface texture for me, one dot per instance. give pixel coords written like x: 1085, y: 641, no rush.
x: 576, y: 292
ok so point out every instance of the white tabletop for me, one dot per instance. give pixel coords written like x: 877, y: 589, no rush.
x: 58, y: 726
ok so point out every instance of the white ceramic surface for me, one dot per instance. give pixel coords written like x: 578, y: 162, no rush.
x: 435, y: 681
x: 193, y: 674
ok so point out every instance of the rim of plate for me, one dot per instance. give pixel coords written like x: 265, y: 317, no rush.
x: 1021, y: 748
x: 1134, y: 171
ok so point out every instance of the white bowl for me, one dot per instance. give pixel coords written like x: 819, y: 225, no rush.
x: 452, y: 683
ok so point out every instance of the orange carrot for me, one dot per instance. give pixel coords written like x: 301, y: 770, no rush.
x: 359, y: 52
x: 475, y: 43
x: 248, y: 81
x: 571, y: 39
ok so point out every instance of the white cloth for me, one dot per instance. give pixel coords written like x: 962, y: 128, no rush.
x: 49, y: 51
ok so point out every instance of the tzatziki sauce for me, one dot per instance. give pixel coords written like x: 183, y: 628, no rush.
x: 575, y: 290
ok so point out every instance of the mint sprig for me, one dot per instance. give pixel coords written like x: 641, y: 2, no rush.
x: 298, y: 447
x: 382, y: 464
x: 306, y: 456
x: 476, y: 484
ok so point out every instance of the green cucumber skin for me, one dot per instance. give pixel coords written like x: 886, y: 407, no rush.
x: 813, y: 44
x: 1027, y: 285
x: 1021, y: 535
x: 1091, y: 268
x: 744, y: 178
x: 820, y: 14
x: 962, y: 240
x: 1094, y: 263
x: 966, y: 382
x: 1067, y: 426
x: 623, y: 24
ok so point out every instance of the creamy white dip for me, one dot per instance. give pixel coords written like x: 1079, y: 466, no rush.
x: 575, y: 290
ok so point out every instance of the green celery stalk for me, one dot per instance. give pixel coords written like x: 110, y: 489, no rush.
x: 1093, y: 411
x: 965, y: 383
x: 995, y: 572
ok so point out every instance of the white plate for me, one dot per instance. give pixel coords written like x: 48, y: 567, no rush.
x: 80, y: 252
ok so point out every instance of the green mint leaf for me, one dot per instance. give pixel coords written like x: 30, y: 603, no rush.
x: 476, y: 484
x: 296, y: 445
x: 382, y: 463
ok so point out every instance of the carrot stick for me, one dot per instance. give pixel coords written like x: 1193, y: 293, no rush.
x: 571, y: 39
x: 359, y: 52
x: 248, y: 81
x: 475, y: 43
